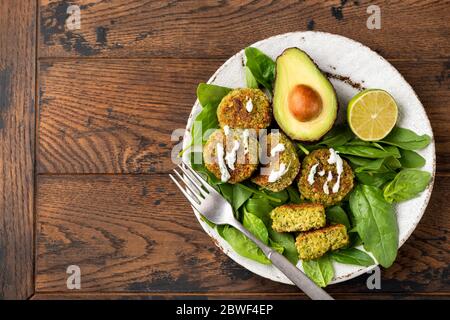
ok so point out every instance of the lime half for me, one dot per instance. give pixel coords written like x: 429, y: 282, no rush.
x: 372, y: 114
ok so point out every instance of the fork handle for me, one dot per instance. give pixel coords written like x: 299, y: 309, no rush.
x: 287, y: 268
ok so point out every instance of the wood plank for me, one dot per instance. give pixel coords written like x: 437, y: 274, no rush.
x: 135, y: 233
x: 235, y: 296
x: 115, y: 116
x: 17, y: 122
x: 409, y: 29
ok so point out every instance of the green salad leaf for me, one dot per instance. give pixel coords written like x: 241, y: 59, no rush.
x: 260, y: 207
x: 336, y: 215
x: 211, y: 94
x: 375, y: 221
x: 287, y: 241
x: 373, y: 165
x: 371, y: 152
x: 375, y: 179
x: 352, y: 256
x: 250, y: 79
x: 226, y: 190
x: 255, y: 225
x: 204, y: 122
x: 411, y: 159
x: 338, y: 136
x: 294, y: 195
x: 406, y: 185
x: 243, y: 245
x: 240, y: 196
x: 407, y: 139
x: 276, y: 246
x: 261, y: 66
x: 319, y: 270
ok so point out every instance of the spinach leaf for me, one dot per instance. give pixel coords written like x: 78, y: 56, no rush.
x: 226, y: 190
x: 352, y: 256
x: 375, y: 179
x: 261, y: 66
x: 252, y: 188
x: 250, y: 79
x: 368, y: 152
x: 260, y: 207
x: 204, y: 122
x: 240, y: 195
x: 243, y: 245
x: 375, y: 222
x: 411, y: 159
x: 286, y: 240
x: 372, y: 165
x: 303, y: 150
x: 319, y: 270
x: 407, y: 139
x: 406, y: 185
x: 338, y: 136
x: 255, y: 225
x: 294, y: 195
x: 355, y: 239
x: 379, y: 165
x: 356, y: 162
x: 276, y: 246
x: 392, y: 163
x: 210, y: 94
x: 336, y: 215
x: 282, y: 197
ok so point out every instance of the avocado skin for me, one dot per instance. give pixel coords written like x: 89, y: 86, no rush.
x: 325, y: 78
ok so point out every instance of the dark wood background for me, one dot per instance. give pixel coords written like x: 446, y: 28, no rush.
x: 85, y: 124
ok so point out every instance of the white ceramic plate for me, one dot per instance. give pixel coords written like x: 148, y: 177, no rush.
x: 351, y: 63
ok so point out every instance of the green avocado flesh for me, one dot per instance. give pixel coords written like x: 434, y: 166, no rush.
x: 295, y: 67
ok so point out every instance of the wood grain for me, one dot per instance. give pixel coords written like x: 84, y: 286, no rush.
x: 135, y: 233
x: 17, y: 122
x: 409, y: 29
x: 234, y: 296
x: 115, y: 116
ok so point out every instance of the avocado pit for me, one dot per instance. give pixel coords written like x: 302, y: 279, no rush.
x: 304, y: 103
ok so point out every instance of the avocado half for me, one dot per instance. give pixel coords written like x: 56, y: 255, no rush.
x: 305, y: 103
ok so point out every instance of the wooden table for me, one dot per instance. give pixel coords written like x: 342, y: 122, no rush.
x: 85, y: 123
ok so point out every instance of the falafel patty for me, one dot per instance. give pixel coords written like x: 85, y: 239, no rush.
x: 231, y: 156
x: 325, y: 178
x: 298, y: 217
x: 283, y: 163
x: 246, y: 109
x: 314, y: 244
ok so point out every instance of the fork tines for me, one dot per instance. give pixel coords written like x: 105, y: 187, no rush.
x: 195, y: 188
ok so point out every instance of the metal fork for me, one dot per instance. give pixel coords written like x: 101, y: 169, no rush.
x: 206, y: 200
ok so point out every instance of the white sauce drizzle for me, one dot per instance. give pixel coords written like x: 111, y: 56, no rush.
x: 275, y: 175
x: 230, y: 157
x: 226, y: 129
x: 336, y: 159
x: 225, y: 175
x: 326, y: 190
x: 322, y: 173
x: 312, y: 173
x: 277, y: 149
x: 245, y: 136
x: 249, y: 105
